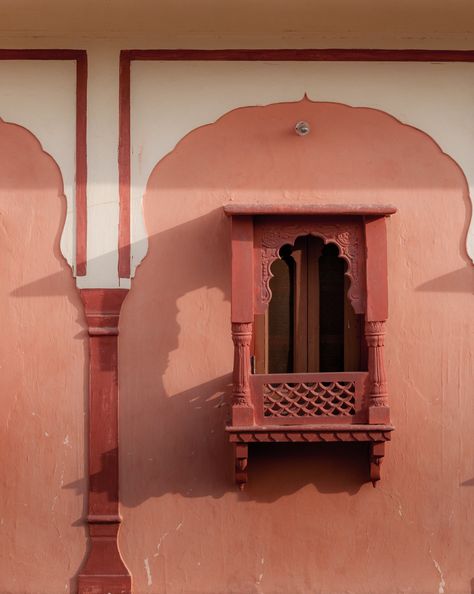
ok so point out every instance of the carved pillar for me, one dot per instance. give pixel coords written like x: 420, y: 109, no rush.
x: 242, y: 409
x: 379, y: 411
x: 104, y: 571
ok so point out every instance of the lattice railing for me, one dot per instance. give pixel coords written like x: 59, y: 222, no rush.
x: 310, y: 397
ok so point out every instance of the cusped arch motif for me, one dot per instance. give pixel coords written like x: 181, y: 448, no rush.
x: 33, y: 157
x: 346, y: 235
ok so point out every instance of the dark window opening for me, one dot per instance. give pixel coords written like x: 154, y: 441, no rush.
x: 310, y: 325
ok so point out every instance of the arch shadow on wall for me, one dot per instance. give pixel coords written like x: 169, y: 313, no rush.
x: 178, y: 441
x: 44, y: 369
x: 179, y: 444
x: 174, y: 409
x: 153, y: 327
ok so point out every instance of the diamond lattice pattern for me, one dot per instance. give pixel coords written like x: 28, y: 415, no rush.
x: 309, y: 399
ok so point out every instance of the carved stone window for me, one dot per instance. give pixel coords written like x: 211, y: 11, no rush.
x: 309, y: 305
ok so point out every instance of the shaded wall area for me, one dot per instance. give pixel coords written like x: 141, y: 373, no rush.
x: 309, y: 520
x: 42, y: 377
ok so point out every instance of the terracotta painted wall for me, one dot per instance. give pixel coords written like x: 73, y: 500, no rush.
x: 309, y: 521
x: 42, y: 377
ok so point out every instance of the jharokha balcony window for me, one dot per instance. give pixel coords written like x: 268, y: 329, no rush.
x: 309, y: 306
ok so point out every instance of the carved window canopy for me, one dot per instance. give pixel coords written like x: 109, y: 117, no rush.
x: 309, y: 307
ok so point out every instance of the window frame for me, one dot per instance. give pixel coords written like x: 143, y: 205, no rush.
x: 258, y: 233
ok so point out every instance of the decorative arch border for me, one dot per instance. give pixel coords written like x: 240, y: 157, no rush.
x: 347, y: 235
x: 80, y: 197
x: 236, y: 55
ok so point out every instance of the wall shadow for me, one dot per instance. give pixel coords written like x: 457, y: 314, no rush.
x: 41, y: 317
x: 457, y: 281
x: 176, y: 442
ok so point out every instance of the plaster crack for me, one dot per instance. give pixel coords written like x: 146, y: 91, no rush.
x: 148, y: 571
x: 260, y: 578
x: 442, y: 582
x: 163, y: 536
x: 160, y: 542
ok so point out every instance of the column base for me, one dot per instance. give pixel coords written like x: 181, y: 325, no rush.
x: 104, y: 571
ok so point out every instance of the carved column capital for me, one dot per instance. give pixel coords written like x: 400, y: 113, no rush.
x: 242, y: 333
x: 102, y: 309
x: 375, y: 333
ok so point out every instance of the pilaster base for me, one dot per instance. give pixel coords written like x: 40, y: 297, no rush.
x: 104, y: 571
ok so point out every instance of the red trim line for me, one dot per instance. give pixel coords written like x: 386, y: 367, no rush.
x: 81, y: 165
x: 235, y: 55
x: 41, y: 54
x: 124, y: 168
x: 306, y: 55
x: 80, y: 57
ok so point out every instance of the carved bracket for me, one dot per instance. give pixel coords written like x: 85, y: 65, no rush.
x: 241, y: 462
x: 377, y: 453
x: 376, y: 436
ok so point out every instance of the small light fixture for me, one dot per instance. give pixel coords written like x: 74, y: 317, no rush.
x: 302, y: 128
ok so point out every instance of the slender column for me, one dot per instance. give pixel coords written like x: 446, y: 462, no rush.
x: 242, y: 409
x: 242, y: 318
x: 379, y: 411
x: 104, y: 571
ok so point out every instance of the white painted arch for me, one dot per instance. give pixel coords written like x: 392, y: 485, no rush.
x: 41, y: 97
x: 170, y: 99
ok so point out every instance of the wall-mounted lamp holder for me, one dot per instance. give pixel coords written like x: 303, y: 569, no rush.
x: 302, y: 128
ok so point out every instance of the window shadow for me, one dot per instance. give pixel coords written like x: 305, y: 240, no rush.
x: 174, y: 441
x: 457, y: 281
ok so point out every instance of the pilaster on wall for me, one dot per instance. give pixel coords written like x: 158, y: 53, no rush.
x: 104, y: 571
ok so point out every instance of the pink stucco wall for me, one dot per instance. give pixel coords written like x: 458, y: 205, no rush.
x: 42, y: 355
x: 309, y: 521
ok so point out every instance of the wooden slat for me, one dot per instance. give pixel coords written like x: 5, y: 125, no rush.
x: 315, y: 247
x: 300, y: 351
x: 352, y: 333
